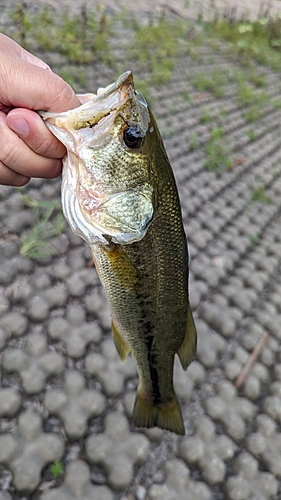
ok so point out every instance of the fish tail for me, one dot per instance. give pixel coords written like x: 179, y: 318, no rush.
x: 164, y: 415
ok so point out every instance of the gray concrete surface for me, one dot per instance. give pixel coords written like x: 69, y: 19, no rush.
x: 65, y: 395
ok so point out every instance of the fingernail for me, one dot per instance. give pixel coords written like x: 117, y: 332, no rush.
x: 19, y: 125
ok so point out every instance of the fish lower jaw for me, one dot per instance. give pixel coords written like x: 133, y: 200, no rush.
x: 77, y: 220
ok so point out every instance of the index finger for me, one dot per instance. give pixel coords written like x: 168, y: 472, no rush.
x: 27, y: 84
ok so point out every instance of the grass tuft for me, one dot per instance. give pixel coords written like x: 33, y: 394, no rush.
x: 49, y: 223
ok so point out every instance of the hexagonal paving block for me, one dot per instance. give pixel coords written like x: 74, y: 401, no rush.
x: 5, y: 335
x: 210, y: 344
x: 75, y: 405
x: 74, y: 331
x: 230, y: 410
x: 4, y: 495
x: 29, y: 450
x: 178, y: 485
x: 118, y: 450
x: 108, y: 368
x: 15, y: 322
x: 208, y: 450
x: 265, y: 444
x: 250, y: 482
x: 272, y: 406
x: 34, y: 363
x: 186, y: 380
x: 96, y: 303
x: 77, y: 485
x: 10, y: 402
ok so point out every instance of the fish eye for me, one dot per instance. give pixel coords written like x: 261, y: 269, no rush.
x: 133, y: 137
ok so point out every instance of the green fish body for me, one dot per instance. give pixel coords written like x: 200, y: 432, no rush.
x: 120, y: 195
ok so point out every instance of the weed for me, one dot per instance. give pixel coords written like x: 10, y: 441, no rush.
x: 23, y: 24
x: 258, y: 194
x: 253, y: 114
x: 80, y: 38
x: 75, y: 76
x: 259, y: 40
x: 217, y: 151
x: 49, y: 222
x: 57, y: 469
x: 186, y: 96
x: 222, y: 113
x: 254, y: 238
x: 247, y: 95
x: 194, y: 141
x: 156, y: 47
x: 251, y: 134
x: 277, y: 103
x: 257, y: 80
x: 206, y: 116
x: 212, y: 82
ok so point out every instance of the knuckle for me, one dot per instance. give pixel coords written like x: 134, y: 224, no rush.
x: 46, y: 146
x: 10, y: 178
x: 64, y: 96
x: 20, y: 180
x: 9, y: 153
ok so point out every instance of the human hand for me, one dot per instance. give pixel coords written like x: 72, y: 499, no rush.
x: 27, y: 148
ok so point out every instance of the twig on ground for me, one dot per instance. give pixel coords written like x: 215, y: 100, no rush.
x: 251, y: 360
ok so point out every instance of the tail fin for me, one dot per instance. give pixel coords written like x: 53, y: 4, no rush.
x: 166, y: 416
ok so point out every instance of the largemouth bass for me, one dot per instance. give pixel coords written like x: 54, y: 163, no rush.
x: 120, y: 195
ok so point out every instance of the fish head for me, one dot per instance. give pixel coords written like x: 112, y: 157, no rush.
x: 107, y: 189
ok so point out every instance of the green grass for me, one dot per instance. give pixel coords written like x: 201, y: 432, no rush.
x: 251, y: 134
x: 253, y: 114
x: 57, y: 469
x: 217, y: 153
x: 206, y: 116
x: 194, y: 141
x: 258, y: 194
x: 277, y: 103
x: 247, y: 95
x: 156, y: 47
x: 254, y: 239
x: 80, y: 38
x: 49, y: 223
x: 213, y: 82
x: 258, y: 41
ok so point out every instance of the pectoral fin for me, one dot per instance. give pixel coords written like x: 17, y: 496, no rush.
x: 187, y: 350
x: 121, y: 346
x: 123, y: 269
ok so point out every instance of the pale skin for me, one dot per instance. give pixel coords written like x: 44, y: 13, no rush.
x: 27, y: 147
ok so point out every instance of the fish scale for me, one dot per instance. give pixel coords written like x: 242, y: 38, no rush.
x: 135, y: 231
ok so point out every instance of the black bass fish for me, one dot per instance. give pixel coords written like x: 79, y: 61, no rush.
x: 120, y: 195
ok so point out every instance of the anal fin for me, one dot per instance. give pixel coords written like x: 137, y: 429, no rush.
x: 121, y: 345
x: 187, y: 350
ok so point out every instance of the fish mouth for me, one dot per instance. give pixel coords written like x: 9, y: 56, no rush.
x: 110, y: 99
